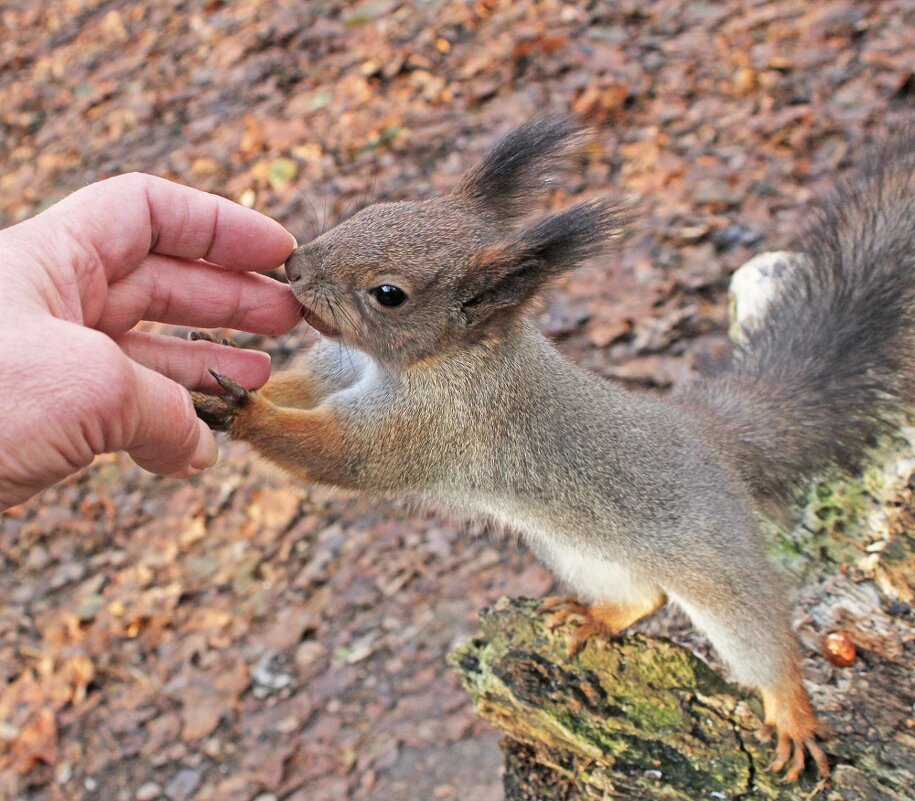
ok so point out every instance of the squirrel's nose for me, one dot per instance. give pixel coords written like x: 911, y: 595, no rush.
x: 293, y: 266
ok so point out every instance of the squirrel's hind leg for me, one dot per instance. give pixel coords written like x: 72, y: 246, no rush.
x: 750, y: 631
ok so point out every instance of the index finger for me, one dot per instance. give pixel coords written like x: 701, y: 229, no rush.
x: 123, y: 218
x: 169, y: 290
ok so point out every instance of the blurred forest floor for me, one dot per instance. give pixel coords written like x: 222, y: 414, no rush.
x: 241, y: 636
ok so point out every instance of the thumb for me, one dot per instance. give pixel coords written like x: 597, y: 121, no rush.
x: 168, y: 439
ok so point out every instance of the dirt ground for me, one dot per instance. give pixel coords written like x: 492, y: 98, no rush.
x: 241, y: 636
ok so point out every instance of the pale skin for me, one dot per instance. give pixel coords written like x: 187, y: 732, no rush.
x: 77, y: 381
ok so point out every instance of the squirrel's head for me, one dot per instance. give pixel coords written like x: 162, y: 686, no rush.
x: 409, y: 281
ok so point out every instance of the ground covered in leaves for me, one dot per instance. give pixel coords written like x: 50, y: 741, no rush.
x: 242, y: 637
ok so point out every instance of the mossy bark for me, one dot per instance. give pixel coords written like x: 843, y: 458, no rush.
x: 626, y: 718
x: 644, y: 718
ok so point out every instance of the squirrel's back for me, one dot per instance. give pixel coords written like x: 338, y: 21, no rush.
x: 832, y: 364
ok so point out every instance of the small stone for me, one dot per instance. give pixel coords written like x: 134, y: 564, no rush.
x: 288, y: 725
x: 182, y: 785
x: 88, y: 607
x: 308, y: 653
x: 267, y: 679
x: 148, y: 792
x: 756, y: 284
x: 38, y: 558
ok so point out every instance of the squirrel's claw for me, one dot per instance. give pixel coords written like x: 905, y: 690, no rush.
x: 203, y: 336
x: 561, y: 609
x: 604, y: 619
x: 791, y: 754
x: 232, y: 387
x: 213, y: 410
x: 564, y: 610
x: 219, y: 411
x: 791, y: 718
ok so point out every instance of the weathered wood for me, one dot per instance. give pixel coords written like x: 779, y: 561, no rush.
x: 643, y: 718
x: 623, y: 718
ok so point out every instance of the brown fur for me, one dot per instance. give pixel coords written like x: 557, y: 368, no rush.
x: 292, y: 390
x: 319, y: 453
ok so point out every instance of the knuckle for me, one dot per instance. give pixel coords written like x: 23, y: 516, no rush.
x: 133, y: 184
x: 112, y: 375
x: 131, y: 180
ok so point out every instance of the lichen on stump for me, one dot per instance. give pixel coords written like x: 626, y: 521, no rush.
x: 643, y: 718
x: 625, y: 718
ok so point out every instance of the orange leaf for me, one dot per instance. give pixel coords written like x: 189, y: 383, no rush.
x: 37, y: 742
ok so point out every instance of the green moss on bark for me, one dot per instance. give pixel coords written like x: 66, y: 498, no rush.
x: 634, y: 718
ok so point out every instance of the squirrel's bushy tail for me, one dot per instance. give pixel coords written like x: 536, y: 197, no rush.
x: 833, y: 361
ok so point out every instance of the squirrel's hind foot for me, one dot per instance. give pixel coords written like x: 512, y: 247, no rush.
x: 566, y: 609
x: 605, y: 620
x: 790, y: 717
x: 791, y: 753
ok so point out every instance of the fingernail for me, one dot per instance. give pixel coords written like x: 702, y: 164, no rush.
x: 207, y: 453
x: 295, y: 242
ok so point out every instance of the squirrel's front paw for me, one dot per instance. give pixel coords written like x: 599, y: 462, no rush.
x: 203, y: 336
x: 219, y: 412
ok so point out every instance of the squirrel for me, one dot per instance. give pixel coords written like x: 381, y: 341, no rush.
x: 430, y: 380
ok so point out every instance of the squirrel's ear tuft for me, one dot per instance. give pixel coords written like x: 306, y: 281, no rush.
x: 505, y: 276
x: 514, y: 175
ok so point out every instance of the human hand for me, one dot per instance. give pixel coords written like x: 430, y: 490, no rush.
x: 75, y: 380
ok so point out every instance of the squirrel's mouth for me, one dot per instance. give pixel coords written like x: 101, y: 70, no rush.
x: 319, y: 323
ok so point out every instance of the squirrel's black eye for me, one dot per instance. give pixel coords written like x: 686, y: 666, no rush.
x: 388, y: 295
